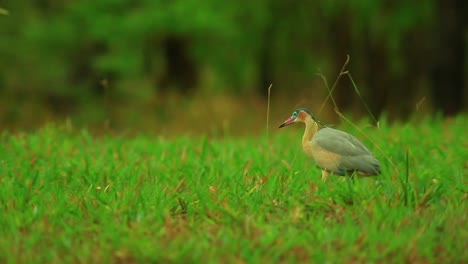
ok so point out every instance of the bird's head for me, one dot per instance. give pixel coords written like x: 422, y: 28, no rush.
x: 299, y: 115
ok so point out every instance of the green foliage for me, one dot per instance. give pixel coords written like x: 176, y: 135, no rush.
x: 67, y: 196
x: 63, y: 47
x: 111, y: 37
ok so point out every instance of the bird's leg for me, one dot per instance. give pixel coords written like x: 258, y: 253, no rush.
x: 325, y: 175
x: 352, y: 175
x: 348, y: 174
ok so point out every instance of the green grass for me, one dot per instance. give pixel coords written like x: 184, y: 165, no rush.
x: 66, y: 196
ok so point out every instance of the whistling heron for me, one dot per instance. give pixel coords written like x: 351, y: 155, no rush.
x: 334, y: 151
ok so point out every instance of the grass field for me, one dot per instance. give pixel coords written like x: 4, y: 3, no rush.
x: 67, y: 196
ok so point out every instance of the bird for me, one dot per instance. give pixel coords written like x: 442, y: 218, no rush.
x: 334, y: 151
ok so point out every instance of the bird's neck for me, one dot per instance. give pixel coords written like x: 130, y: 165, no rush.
x: 311, y: 127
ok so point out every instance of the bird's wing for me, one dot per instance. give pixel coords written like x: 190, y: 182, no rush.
x: 353, y: 155
x: 339, y: 142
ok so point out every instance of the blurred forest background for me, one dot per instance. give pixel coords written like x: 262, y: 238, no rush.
x: 175, y: 66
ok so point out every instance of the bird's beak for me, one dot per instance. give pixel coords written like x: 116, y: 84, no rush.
x: 287, y: 122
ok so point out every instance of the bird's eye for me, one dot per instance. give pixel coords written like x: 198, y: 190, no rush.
x: 294, y: 115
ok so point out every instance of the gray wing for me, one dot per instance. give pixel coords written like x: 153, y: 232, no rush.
x: 353, y: 154
x: 340, y: 142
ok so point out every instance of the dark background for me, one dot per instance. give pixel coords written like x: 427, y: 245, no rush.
x: 149, y: 64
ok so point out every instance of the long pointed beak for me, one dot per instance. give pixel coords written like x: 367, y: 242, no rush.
x: 287, y: 122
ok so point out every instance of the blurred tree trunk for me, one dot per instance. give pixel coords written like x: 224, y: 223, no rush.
x: 448, y: 71
x: 378, y: 79
x: 181, y: 72
x: 82, y: 72
x: 370, y: 61
x: 340, y: 33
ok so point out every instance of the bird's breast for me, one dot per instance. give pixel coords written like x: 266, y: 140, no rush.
x: 322, y: 157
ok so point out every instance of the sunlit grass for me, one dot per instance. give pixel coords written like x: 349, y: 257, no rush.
x: 67, y: 196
